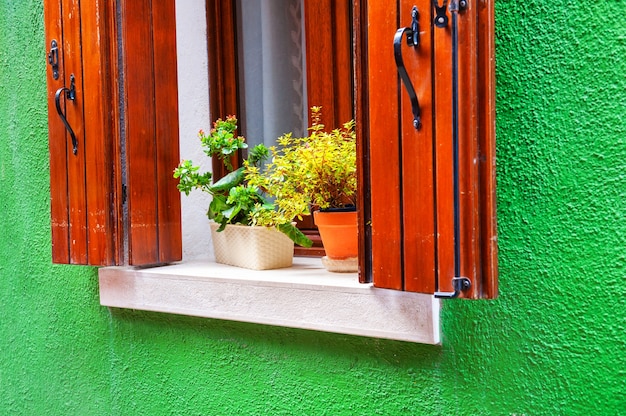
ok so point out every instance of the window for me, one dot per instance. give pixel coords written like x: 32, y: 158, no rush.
x: 115, y: 201
x: 290, y: 55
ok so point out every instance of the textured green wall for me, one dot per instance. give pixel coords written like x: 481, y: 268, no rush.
x: 553, y: 343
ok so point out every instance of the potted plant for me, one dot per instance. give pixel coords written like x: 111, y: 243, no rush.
x: 318, y: 171
x: 246, y: 228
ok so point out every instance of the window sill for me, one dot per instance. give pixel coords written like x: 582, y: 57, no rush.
x: 304, y: 296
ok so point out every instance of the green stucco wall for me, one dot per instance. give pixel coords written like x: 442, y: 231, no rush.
x: 554, y: 343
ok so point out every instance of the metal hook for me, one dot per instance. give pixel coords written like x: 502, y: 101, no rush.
x: 70, y: 94
x: 412, y: 37
x: 460, y: 284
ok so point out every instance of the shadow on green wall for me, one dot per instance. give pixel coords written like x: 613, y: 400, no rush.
x: 140, y: 325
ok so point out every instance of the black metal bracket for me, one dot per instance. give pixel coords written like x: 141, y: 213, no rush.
x: 458, y: 5
x: 53, y: 59
x: 460, y: 284
x: 70, y: 94
x: 412, y: 37
x: 441, y: 15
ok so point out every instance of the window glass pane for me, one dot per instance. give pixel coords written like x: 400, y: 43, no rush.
x: 271, y: 70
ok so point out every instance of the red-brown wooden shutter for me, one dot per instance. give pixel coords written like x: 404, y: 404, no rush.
x: 83, y: 214
x: 135, y: 157
x: 151, y: 130
x: 408, y: 172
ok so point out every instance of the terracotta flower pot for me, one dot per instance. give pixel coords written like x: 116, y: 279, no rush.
x: 339, y: 236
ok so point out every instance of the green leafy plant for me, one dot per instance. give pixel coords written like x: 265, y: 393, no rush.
x: 234, y: 200
x: 317, y: 170
x: 222, y: 142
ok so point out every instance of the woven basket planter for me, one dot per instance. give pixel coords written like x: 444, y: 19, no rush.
x: 257, y: 248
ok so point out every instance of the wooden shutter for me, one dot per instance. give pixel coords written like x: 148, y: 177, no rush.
x: 114, y: 201
x: 151, y: 139
x: 408, y: 213
x: 83, y: 213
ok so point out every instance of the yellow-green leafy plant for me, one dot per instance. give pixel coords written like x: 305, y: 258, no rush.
x: 234, y: 200
x: 316, y: 170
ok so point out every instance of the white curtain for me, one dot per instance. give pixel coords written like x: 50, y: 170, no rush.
x: 271, y: 69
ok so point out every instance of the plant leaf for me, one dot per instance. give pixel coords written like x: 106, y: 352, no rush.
x: 229, y: 181
x: 231, y: 212
x: 218, y: 204
x: 296, y: 235
x: 222, y: 225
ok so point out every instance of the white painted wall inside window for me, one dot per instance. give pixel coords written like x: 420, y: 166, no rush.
x: 193, y: 102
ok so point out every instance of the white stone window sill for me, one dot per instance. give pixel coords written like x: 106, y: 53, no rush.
x: 304, y: 296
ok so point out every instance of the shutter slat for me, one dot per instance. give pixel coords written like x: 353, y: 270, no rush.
x: 139, y: 88
x: 487, y: 150
x: 166, y: 100
x: 57, y: 142
x: 74, y: 111
x: 468, y: 153
x: 442, y: 80
x: 384, y: 158
x: 418, y: 163
x: 99, y: 132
